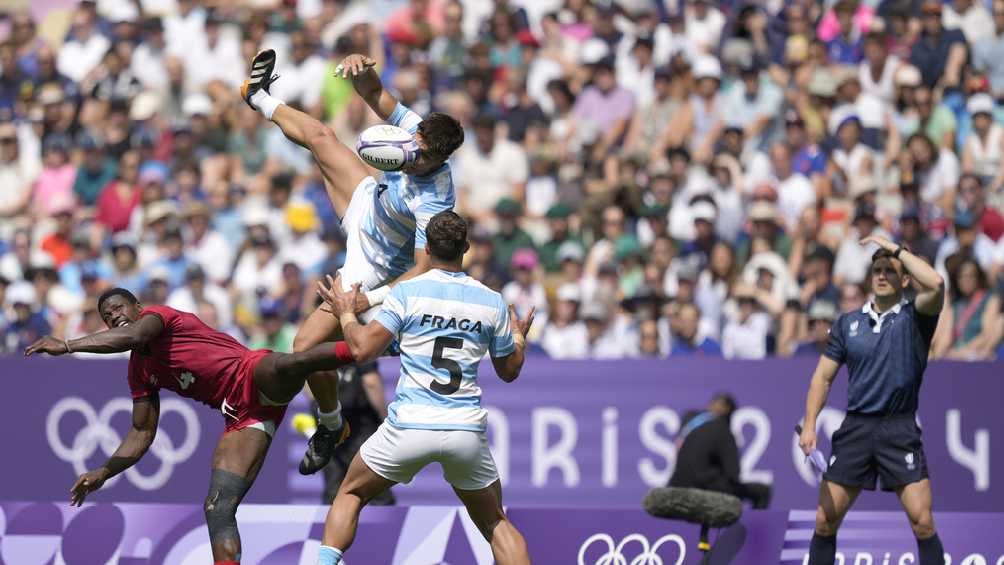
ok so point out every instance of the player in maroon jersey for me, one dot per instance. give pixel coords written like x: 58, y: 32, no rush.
x: 176, y: 351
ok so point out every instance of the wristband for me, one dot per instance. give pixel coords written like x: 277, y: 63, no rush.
x: 377, y: 295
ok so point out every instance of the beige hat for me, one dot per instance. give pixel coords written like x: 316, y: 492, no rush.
x: 908, y: 75
x: 859, y: 186
x: 144, y: 106
x: 159, y: 210
x: 763, y: 211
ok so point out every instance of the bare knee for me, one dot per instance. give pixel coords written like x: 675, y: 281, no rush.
x: 826, y: 524
x: 318, y: 135
x: 922, y: 525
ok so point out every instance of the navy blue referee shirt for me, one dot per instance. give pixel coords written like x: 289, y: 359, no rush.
x: 885, y: 354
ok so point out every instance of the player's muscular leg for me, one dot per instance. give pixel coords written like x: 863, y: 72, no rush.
x: 342, y: 170
x: 280, y: 376
x: 361, y: 484
x: 834, y: 502
x: 319, y: 327
x: 236, y: 462
x: 485, y: 508
x: 916, y: 500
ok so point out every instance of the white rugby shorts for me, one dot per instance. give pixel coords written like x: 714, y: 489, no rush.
x: 358, y: 269
x: 398, y: 454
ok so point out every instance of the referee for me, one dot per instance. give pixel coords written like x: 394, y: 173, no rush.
x: 885, y: 347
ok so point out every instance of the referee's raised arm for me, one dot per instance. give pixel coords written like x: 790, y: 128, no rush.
x: 931, y: 297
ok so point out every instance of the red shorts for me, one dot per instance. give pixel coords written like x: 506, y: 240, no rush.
x: 244, y: 406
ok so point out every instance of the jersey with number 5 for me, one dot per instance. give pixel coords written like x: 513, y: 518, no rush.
x: 445, y: 322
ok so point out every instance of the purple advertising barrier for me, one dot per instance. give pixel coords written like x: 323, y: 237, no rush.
x: 566, y: 434
x: 133, y: 534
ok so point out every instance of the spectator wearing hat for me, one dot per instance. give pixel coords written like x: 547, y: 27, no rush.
x: 560, y: 232
x: 972, y: 197
x: 149, y: 59
x: 747, y: 326
x: 120, y: 197
x: 258, y: 267
x: 753, y: 105
x: 273, y: 332
x: 981, y: 152
x: 524, y: 291
x: 970, y: 17
x: 972, y: 328
x: 703, y: 23
x: 18, y: 171
x: 125, y: 271
x: 701, y: 122
x: 490, y: 169
x: 705, y: 213
x: 988, y: 53
x: 54, y: 187
x: 82, y: 51
x: 602, y: 341
x: 685, y: 339
x: 172, y: 258
x: 651, y: 118
x: 939, y: 53
x: 198, y: 288
x: 510, y: 236
x: 115, y: 80
x: 853, y: 259
x: 603, y: 110
x: 26, y: 324
x: 966, y: 240
x: 853, y: 160
x: 305, y: 247
x: 206, y: 247
x: 565, y: 335
x: 821, y: 316
x: 635, y: 70
x: 96, y: 169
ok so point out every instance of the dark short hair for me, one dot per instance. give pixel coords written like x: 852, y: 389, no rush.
x: 881, y: 254
x: 442, y: 133
x: 447, y: 236
x: 117, y: 291
x: 727, y: 399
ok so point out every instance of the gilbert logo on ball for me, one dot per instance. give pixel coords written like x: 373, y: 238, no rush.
x: 386, y: 147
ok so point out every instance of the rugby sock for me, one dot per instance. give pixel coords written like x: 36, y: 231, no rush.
x: 328, y: 556
x: 343, y: 354
x: 331, y: 420
x: 930, y: 551
x: 822, y: 550
x: 265, y: 102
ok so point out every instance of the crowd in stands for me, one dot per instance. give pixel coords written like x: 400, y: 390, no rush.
x: 658, y: 178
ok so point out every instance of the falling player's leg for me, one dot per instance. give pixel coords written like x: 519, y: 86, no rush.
x: 236, y: 462
x: 361, y: 484
x: 485, y: 507
x: 280, y: 376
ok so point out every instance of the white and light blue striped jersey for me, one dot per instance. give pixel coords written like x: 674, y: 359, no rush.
x: 402, y: 207
x: 444, y: 322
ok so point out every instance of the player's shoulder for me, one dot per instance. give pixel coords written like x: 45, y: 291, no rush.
x: 163, y: 311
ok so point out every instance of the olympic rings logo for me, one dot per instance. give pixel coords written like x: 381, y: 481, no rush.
x: 98, y: 433
x: 648, y: 556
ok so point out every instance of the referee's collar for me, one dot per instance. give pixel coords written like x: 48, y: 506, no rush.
x: 878, y: 318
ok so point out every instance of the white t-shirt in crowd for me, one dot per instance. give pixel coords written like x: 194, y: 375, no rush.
x: 484, y: 179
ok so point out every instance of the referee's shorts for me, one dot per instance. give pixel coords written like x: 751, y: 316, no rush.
x: 869, y: 447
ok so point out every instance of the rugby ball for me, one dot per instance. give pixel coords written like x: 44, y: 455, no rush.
x: 386, y: 147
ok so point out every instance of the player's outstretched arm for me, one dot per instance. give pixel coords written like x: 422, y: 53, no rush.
x: 145, y: 415
x: 509, y: 366
x: 819, y: 389
x: 365, y: 341
x: 115, y: 340
x: 366, y: 81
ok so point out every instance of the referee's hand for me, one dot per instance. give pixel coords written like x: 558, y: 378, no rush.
x: 807, y: 439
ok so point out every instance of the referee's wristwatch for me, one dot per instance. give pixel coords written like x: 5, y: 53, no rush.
x: 899, y: 250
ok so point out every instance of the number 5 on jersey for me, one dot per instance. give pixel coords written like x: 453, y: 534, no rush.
x: 452, y: 367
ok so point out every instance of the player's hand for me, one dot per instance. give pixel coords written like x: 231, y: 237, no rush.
x: 86, y: 484
x: 47, y: 344
x: 807, y: 439
x: 521, y: 327
x: 338, y: 300
x: 354, y: 65
x: 880, y: 241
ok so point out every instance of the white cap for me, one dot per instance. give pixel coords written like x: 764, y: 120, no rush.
x: 908, y: 75
x: 980, y: 103
x: 762, y: 210
x: 144, y: 106
x: 159, y: 210
x: 707, y: 67
x: 197, y: 104
x: 570, y: 292
x: 703, y: 211
x: 41, y: 260
x: 255, y: 215
x: 570, y: 250
x: 593, y: 51
x: 160, y: 273
x: 21, y: 293
x: 64, y: 301
x: 593, y: 310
